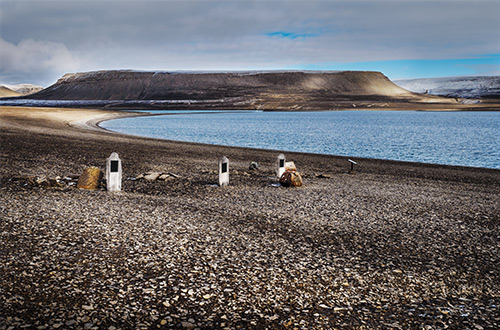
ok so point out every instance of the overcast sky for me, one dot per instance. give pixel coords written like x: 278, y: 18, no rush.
x: 41, y: 40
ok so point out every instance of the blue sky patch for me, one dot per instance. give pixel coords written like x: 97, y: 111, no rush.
x: 404, y: 69
x: 289, y: 35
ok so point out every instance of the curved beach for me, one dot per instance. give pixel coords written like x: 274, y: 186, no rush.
x: 390, y: 245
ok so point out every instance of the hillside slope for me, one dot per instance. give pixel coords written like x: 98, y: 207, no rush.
x: 24, y: 89
x: 252, y: 90
x: 7, y: 92
x: 462, y: 87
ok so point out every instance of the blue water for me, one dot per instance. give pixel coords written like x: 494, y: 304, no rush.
x: 452, y: 138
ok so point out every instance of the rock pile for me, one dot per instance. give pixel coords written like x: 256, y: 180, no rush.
x: 154, y: 176
x: 45, y: 182
x: 254, y: 166
x: 291, y: 178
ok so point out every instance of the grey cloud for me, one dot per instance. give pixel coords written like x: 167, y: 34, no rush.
x: 150, y: 22
x: 38, y: 60
x: 234, y: 34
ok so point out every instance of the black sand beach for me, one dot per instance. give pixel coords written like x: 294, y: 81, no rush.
x: 392, y: 245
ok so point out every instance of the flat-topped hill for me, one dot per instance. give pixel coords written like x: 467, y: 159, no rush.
x: 130, y: 85
x: 252, y: 90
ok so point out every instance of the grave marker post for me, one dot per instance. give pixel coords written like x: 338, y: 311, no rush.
x: 280, y: 165
x: 223, y: 171
x: 114, y: 173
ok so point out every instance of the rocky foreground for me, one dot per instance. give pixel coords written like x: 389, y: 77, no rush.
x: 389, y: 246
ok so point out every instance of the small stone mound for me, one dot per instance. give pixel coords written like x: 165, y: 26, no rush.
x: 157, y: 176
x: 45, y: 182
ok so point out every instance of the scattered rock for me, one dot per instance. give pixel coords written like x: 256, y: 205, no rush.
x: 285, y: 252
x: 55, y: 183
x: 187, y: 325
x: 151, y: 176
x: 164, y: 177
x: 42, y: 181
x: 254, y: 166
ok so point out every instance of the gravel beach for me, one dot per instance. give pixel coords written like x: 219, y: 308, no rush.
x: 391, y: 245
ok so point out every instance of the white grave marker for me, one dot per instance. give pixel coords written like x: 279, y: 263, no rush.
x: 114, y: 173
x: 223, y: 171
x: 280, y: 165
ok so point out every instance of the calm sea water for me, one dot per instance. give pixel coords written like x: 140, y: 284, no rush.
x: 453, y: 138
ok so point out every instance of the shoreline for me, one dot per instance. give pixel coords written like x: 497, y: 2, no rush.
x: 392, y: 244
x: 86, y: 121
x: 97, y: 125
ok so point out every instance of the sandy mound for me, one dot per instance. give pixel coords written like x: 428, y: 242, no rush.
x: 7, y: 92
x: 25, y: 89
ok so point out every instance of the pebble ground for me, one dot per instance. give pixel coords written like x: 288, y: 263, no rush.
x: 388, y: 246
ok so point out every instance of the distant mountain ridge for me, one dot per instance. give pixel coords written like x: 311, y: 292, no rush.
x: 244, y: 90
x: 475, y: 87
x: 7, y: 92
x: 23, y: 89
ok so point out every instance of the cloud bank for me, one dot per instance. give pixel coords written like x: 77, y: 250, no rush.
x: 86, y: 35
x: 32, y: 60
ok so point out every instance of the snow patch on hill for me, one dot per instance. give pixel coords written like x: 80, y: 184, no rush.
x: 24, y: 89
x: 461, y: 87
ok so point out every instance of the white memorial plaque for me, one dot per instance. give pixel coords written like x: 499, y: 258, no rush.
x: 223, y: 172
x: 114, y: 173
x: 280, y: 165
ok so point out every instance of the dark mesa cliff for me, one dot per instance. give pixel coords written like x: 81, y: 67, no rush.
x: 269, y: 90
